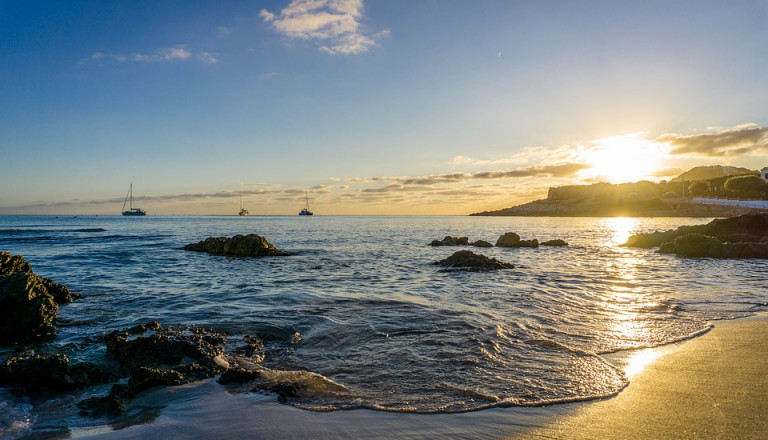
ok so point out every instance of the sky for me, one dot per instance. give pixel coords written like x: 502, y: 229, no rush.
x: 371, y: 107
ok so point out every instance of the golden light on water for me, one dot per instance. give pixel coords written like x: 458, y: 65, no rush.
x: 621, y: 228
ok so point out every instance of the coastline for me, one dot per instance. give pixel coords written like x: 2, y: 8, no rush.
x: 711, y: 386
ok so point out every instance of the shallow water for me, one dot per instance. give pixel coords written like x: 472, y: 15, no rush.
x: 361, y: 305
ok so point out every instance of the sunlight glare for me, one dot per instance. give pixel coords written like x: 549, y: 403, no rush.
x: 620, y: 159
x: 620, y: 229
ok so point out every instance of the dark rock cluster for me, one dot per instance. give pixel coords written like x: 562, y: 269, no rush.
x: 468, y: 260
x: 698, y: 245
x: 150, y: 355
x: 250, y: 245
x: 745, y: 236
x: 509, y: 239
x: 28, y: 302
x: 51, y: 373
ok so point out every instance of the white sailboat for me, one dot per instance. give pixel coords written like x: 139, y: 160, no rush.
x: 131, y: 210
x: 243, y: 211
x: 306, y: 210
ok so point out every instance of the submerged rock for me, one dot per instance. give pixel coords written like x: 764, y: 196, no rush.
x: 250, y: 245
x: 556, y: 242
x: 468, y: 260
x: 450, y: 241
x: 510, y: 239
x: 28, y: 302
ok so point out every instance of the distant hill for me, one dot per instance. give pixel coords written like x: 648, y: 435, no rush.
x: 638, y: 199
x: 711, y: 172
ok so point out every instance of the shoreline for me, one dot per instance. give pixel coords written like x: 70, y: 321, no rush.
x: 711, y: 386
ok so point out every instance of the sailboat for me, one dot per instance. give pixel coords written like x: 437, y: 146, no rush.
x: 306, y: 210
x: 131, y: 210
x: 243, y: 212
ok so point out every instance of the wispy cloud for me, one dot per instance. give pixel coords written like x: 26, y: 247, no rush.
x: 559, y: 170
x: 334, y: 24
x: 739, y: 140
x: 160, y: 55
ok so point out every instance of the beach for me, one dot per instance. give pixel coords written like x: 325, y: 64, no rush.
x: 711, y: 387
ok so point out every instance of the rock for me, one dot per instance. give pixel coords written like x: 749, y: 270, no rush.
x: 481, y: 243
x: 28, y: 302
x: 745, y: 250
x: 251, y: 245
x: 510, y: 239
x: 556, y: 242
x: 697, y: 245
x: 450, y: 241
x: 27, y: 310
x: 151, y: 356
x: 12, y: 264
x: 468, y: 260
x: 742, y: 229
x: 153, y: 345
x: 50, y: 373
x: 239, y: 375
x: 667, y: 248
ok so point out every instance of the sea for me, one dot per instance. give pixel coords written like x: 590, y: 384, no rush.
x: 361, y: 305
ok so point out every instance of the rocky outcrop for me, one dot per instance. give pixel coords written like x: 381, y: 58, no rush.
x: 742, y: 229
x: 481, y: 243
x: 28, y: 302
x: 698, y: 245
x: 555, y: 242
x: 450, y: 241
x: 468, y: 260
x: 251, y: 245
x: 510, y: 239
x: 150, y: 355
x: 47, y: 373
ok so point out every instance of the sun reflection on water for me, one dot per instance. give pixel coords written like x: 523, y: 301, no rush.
x: 621, y: 228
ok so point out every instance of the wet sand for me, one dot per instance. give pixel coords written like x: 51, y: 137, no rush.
x: 711, y: 387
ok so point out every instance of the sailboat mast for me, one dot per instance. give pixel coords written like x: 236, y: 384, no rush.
x: 130, y: 191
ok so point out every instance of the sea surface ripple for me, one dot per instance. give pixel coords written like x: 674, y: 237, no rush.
x: 361, y: 305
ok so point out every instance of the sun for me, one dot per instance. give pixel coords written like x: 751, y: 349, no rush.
x: 626, y: 158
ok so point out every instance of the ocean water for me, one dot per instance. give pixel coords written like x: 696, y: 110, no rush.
x: 360, y: 305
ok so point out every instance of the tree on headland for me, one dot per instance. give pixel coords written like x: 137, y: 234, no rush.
x: 746, y: 186
x: 698, y: 187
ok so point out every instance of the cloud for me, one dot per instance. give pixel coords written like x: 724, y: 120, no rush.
x: 160, y: 55
x: 742, y: 139
x: 560, y: 170
x: 335, y: 24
